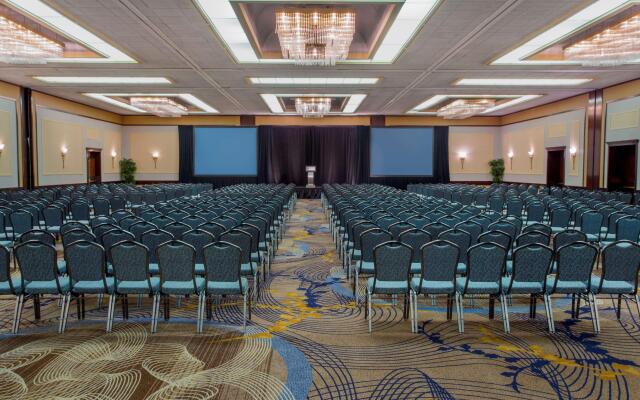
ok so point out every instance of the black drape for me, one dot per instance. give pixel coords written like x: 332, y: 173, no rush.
x: 185, y: 145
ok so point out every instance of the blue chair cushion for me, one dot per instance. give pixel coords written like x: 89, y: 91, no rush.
x: 365, y: 267
x: 611, y: 287
x: 94, y: 286
x: 569, y: 287
x: 592, y: 238
x: 509, y: 267
x: 62, y: 267
x: 200, y: 270
x: 521, y: 287
x: 220, y: 288
x: 183, y: 287
x: 139, y: 287
x: 6, y: 243
x: 477, y: 287
x: 53, y: 229
x: 432, y: 287
x: 47, y: 287
x: 255, y: 257
x: 154, y: 269
x: 461, y: 269
x: 247, y: 269
x: 356, y: 254
x: 5, y: 288
x: 387, y: 287
x: 416, y: 268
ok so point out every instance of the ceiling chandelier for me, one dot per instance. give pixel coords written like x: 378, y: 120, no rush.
x: 461, y: 108
x: 313, y: 107
x: 160, y: 106
x: 315, y: 37
x: 19, y: 45
x: 616, y: 45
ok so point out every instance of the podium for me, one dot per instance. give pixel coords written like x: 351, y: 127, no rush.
x: 311, y: 171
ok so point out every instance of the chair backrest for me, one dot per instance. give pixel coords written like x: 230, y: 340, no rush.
x: 193, y: 221
x: 538, y: 227
x: 439, y: 260
x: 621, y: 262
x: 254, y: 231
x: 5, y: 272
x: 161, y: 221
x: 102, y: 228
x: 130, y: 261
x: 419, y: 221
x: 53, y: 216
x: 37, y: 261
x: 486, y: 262
x: 392, y: 262
x: 222, y: 262
x: 39, y: 235
x: 416, y: 238
x: 80, y: 211
x: 497, y: 237
x: 101, y: 206
x: 531, y: 263
x: 461, y: 239
x: 576, y: 261
x: 397, y: 228
x: 141, y: 227
x: 177, y: 260
x: 473, y: 228
x: 591, y: 222
x: 150, y: 214
x: 154, y: 238
x: 568, y: 236
x: 177, y: 229
x: 22, y: 221
x: 435, y: 229
x: 242, y: 240
x: 85, y: 261
x: 101, y: 219
x: 357, y: 231
x: 628, y: 228
x: 506, y: 227
x: 75, y: 235
x: 198, y: 239
x: 560, y: 217
x: 128, y: 222
x: 117, y: 203
x: 533, y: 237
x: 370, y: 239
x: 514, y: 207
x: 213, y: 228
x: 535, y: 211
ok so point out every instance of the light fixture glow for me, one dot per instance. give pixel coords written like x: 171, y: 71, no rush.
x: 20, y: 45
x: 63, y: 154
x: 585, y: 17
x: 225, y: 22
x: 187, y: 97
x: 312, y: 81
x: 155, y: 155
x: 462, y: 155
x: 271, y: 100
x: 521, y: 82
x: 510, y: 155
x: 573, y: 151
x: 106, y: 80
x: 530, y: 153
x: 1, y: 148
x: 437, y: 99
x: 465, y: 108
x: 160, y: 106
x: 41, y: 12
x: 313, y: 107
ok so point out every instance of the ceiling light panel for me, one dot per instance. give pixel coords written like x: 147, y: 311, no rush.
x: 437, y: 99
x: 587, y: 16
x: 312, y: 81
x: 104, y: 80
x: 521, y: 82
x: 271, y: 100
x: 187, y: 97
x: 41, y: 12
x: 411, y: 16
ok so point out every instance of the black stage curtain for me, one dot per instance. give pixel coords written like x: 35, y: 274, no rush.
x: 440, y: 164
x: 340, y: 153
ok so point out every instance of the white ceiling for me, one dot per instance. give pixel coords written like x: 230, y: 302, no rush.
x: 170, y: 38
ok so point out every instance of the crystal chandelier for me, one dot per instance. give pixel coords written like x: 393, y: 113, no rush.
x: 160, y: 106
x: 461, y: 108
x: 19, y: 45
x: 616, y: 45
x: 315, y: 37
x: 313, y: 107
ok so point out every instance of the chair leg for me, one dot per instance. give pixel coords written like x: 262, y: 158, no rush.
x: 255, y: 285
x: 155, y: 313
x: 66, y: 299
x: 460, y: 311
x: 244, y: 312
x: 577, y: 316
x: 369, y: 307
x: 619, y: 306
x: 638, y: 305
x: 505, y: 313
x: 17, y: 314
x: 110, y: 309
x: 549, y: 310
x: 356, y: 288
x: 594, y: 308
x: 199, y: 313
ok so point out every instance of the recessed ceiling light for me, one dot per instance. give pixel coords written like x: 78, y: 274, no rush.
x: 585, y: 17
x: 39, y: 11
x: 108, y: 80
x: 271, y: 100
x: 187, y: 97
x: 437, y: 99
x: 312, y: 81
x: 408, y: 21
x: 520, y: 82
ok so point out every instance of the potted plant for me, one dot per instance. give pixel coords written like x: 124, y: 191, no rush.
x: 128, y: 171
x: 497, y: 169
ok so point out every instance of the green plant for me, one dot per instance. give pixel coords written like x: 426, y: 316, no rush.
x: 128, y: 170
x: 497, y: 170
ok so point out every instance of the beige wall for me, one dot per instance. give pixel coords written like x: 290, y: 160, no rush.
x: 565, y: 129
x: 140, y: 142
x: 481, y: 145
x: 55, y: 129
x: 622, y: 123
x: 9, y: 138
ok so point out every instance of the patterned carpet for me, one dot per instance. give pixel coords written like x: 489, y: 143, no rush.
x: 308, y: 339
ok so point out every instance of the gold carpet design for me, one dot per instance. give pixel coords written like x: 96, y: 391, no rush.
x: 308, y: 339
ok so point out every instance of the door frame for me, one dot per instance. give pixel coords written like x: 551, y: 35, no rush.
x: 631, y: 142
x: 564, y: 167
x: 90, y: 150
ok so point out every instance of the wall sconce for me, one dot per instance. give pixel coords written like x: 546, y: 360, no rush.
x: 113, y: 158
x: 63, y: 153
x: 462, y: 155
x: 510, y: 159
x: 573, y: 151
x: 155, y: 156
x: 1, y: 148
x: 530, y: 159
